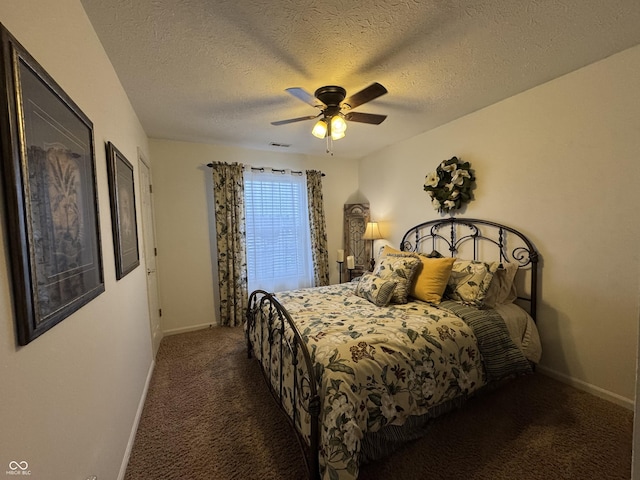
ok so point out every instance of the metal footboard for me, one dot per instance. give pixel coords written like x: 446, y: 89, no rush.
x: 268, y: 319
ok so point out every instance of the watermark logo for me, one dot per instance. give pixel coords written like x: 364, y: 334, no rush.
x: 18, y: 468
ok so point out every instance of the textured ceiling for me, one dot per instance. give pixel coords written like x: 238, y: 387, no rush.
x: 216, y: 71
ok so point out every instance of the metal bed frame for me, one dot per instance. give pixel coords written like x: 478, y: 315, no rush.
x: 266, y: 314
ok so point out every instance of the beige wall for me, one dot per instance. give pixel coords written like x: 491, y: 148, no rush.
x: 559, y: 162
x: 68, y: 400
x: 184, y: 211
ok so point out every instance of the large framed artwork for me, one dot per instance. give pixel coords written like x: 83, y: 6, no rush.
x: 48, y: 167
x: 123, y: 211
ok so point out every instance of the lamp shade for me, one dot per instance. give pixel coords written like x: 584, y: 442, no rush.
x: 320, y: 129
x: 372, y: 232
x: 337, y: 135
x: 334, y: 126
x: 338, y: 127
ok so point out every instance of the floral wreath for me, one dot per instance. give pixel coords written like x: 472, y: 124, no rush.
x: 450, y: 185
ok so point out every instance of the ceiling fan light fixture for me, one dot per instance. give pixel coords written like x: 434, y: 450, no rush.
x: 337, y: 135
x: 320, y: 129
x: 331, y: 100
x: 338, y: 125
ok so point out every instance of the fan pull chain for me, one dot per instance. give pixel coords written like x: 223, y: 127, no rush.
x: 329, y: 145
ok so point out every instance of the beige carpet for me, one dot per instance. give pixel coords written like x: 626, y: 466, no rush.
x: 209, y: 416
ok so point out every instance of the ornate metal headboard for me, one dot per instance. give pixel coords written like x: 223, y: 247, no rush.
x: 475, y: 239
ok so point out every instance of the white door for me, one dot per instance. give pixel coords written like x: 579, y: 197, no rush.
x: 150, y: 252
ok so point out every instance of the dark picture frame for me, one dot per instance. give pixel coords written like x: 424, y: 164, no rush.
x: 123, y: 211
x: 49, y: 173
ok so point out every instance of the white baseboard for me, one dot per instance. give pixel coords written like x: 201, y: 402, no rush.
x: 192, y: 328
x: 587, y: 387
x: 136, y: 422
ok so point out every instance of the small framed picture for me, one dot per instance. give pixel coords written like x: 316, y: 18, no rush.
x: 48, y: 170
x: 123, y: 211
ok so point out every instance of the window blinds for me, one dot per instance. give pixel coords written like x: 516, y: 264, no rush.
x: 277, y: 231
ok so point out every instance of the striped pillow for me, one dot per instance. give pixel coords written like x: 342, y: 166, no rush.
x: 375, y: 289
x: 402, y: 269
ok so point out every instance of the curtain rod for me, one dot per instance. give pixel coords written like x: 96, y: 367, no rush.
x: 261, y: 169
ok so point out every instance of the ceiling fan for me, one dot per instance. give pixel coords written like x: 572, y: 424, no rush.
x: 335, y: 108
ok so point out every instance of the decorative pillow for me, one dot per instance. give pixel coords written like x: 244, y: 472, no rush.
x: 432, y: 275
x: 431, y: 279
x: 375, y: 289
x: 389, y: 250
x: 401, y: 268
x: 502, y: 289
x: 469, y: 281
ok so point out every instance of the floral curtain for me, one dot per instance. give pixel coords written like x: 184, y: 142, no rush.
x: 318, y: 227
x: 228, y: 190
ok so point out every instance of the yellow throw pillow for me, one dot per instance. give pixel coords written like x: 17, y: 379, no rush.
x: 432, y: 278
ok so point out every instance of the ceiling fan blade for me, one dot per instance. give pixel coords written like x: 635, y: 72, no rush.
x: 371, y: 118
x: 365, y: 95
x: 293, y: 120
x: 302, y: 94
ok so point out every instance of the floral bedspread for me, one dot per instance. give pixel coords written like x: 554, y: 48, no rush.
x: 376, y: 366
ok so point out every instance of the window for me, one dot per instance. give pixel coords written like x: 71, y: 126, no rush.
x: 277, y: 229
